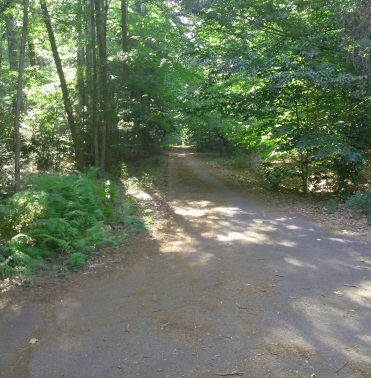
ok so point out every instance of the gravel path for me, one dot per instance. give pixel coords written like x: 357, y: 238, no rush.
x: 223, y: 287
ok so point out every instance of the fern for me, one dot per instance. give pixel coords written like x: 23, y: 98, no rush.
x: 15, y: 264
x: 56, y: 214
x: 7, y: 270
x: 97, y: 235
x: 20, y: 211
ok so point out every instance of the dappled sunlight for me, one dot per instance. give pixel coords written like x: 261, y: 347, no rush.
x: 184, y: 245
x: 283, y: 256
x: 323, y: 314
x: 263, y: 225
x: 226, y: 210
x: 282, y: 219
x: 287, y: 243
x: 142, y: 196
x: 248, y: 236
x: 360, y: 294
x: 190, y: 212
x: 366, y: 339
x: 292, y: 227
x: 201, y: 208
x: 226, y: 282
x: 192, y: 204
x: 299, y: 264
x: 339, y: 240
x: 332, y: 312
x: 231, y: 236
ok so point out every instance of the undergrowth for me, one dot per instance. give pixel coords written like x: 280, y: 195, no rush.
x: 361, y: 201
x: 65, y: 219
x: 235, y: 161
x: 54, y: 216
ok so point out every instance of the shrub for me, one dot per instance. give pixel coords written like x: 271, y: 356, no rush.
x: 273, y: 174
x: 361, y: 201
x: 332, y: 205
x: 55, y: 214
x: 76, y: 259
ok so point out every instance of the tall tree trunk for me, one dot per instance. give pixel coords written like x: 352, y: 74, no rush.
x: 12, y: 42
x: 101, y: 8
x: 1, y: 49
x: 125, y: 44
x: 81, y: 62
x: 91, y: 75
x: 303, y: 156
x: 19, y: 98
x: 81, y: 87
x: 65, y: 93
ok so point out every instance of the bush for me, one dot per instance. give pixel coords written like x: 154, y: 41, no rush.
x: 76, y: 259
x: 55, y: 214
x: 274, y: 174
x: 361, y: 201
x: 332, y: 205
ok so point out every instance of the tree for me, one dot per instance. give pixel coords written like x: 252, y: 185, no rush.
x: 125, y: 43
x: 12, y: 42
x: 65, y: 92
x: 19, y: 98
x: 288, y: 79
x: 281, y: 68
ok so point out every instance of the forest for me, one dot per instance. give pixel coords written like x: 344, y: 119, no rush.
x: 86, y: 84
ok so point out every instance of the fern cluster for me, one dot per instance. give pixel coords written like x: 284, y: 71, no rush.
x: 54, y: 215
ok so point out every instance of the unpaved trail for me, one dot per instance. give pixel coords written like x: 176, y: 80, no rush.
x: 226, y: 288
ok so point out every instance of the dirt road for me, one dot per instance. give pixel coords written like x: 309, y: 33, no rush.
x: 224, y: 288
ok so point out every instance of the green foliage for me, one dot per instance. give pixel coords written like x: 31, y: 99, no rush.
x: 299, y: 100
x: 76, y: 259
x: 134, y: 224
x: 55, y: 215
x: 361, y: 201
x: 128, y: 207
x: 20, y: 211
x: 237, y: 161
x: 274, y: 174
x: 156, y: 161
x: 129, y: 217
x: 150, y: 179
x: 332, y: 205
x: 120, y: 171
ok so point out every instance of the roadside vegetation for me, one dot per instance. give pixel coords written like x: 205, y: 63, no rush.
x: 59, y: 221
